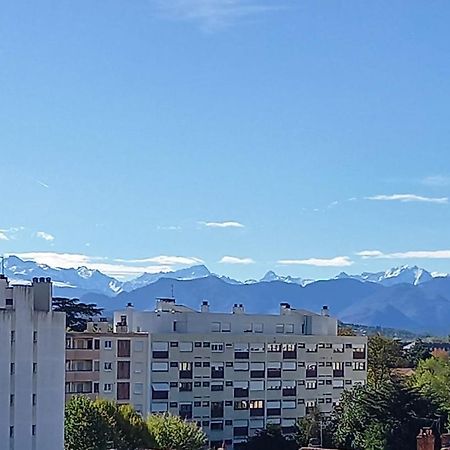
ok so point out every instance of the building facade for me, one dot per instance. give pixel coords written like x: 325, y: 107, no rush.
x: 31, y: 368
x: 233, y: 373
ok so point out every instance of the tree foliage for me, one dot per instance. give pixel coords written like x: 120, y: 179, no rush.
x: 432, y: 377
x: 388, y: 416
x: 77, y: 313
x: 384, y: 354
x: 169, y: 432
x: 270, y: 437
x: 102, y: 424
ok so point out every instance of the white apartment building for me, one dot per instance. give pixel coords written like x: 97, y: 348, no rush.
x: 31, y: 368
x: 233, y: 373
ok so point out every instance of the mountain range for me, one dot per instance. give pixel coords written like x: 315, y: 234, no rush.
x: 404, y: 297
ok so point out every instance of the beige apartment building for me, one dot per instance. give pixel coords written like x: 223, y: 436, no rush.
x: 233, y: 373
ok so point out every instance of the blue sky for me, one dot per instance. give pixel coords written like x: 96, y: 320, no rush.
x: 307, y: 137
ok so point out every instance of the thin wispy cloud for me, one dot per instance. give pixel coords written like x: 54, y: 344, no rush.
x: 8, y: 234
x: 45, y: 236
x: 41, y: 183
x: 407, y: 198
x: 236, y: 260
x: 227, y: 224
x: 338, y: 261
x: 436, y: 180
x: 165, y: 260
x: 3, y: 236
x: 115, y: 268
x: 417, y: 254
x: 214, y: 15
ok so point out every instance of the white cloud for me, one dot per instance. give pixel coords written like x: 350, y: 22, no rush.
x: 236, y: 260
x: 214, y: 15
x: 338, y: 261
x: 436, y: 180
x: 3, y: 236
x: 404, y: 198
x: 10, y: 233
x: 228, y: 224
x: 415, y: 254
x: 165, y: 260
x: 41, y: 183
x: 46, y: 236
x: 74, y: 260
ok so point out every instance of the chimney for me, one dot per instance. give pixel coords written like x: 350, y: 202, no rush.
x: 205, y: 306
x: 425, y: 439
x: 325, y: 311
x: 42, y: 294
x: 238, y: 308
x: 130, y: 305
x: 285, y: 308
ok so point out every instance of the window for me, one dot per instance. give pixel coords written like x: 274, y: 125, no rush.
x: 185, y: 347
x: 96, y: 344
x: 217, y: 386
x: 257, y: 385
x: 289, y: 328
x: 311, y: 384
x: 274, y: 369
x: 217, y: 425
x: 240, y: 405
x: 359, y: 365
x: 311, y: 348
x: 257, y: 347
x: 33, y: 399
x: 240, y: 389
x: 11, y: 432
x: 226, y: 327
x: 138, y: 388
x: 288, y: 404
x: 107, y: 387
x: 311, y: 370
x: 138, y: 346
x: 240, y: 428
x: 258, y: 327
x: 274, y: 348
x: 95, y: 388
x: 107, y: 345
x: 160, y: 391
x: 160, y: 367
x: 34, y: 336
x: 288, y: 425
x: 256, y: 408
x: 217, y: 370
x: 289, y: 351
x: 216, y: 409
x: 338, y: 369
x: 107, y: 366
x: 215, y: 327
x: 289, y: 388
x: 216, y: 347
x: 338, y: 384
x: 279, y: 328
x: 12, y: 368
x: 13, y: 336
x: 160, y: 350
x: 185, y: 386
x: 274, y: 408
x: 257, y: 370
x: 241, y: 366
x: 123, y: 370
x: 359, y: 351
x: 138, y: 367
x: 241, y: 351
x: 123, y: 391
x: 185, y: 370
x: 273, y: 385
x: 159, y: 407
x: 289, y: 365
x: 338, y: 348
x: 11, y: 400
x: 33, y: 430
x: 34, y: 367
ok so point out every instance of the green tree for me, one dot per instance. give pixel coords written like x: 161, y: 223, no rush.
x: 85, y: 427
x: 417, y: 353
x: 168, y: 432
x: 432, y: 377
x: 384, y: 354
x: 388, y: 416
x: 270, y: 437
x: 77, y: 313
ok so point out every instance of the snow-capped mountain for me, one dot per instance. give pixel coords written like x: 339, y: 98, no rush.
x: 145, y: 279
x: 404, y: 274
x: 272, y: 276
x: 72, y: 281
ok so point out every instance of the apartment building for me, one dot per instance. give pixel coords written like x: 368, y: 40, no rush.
x: 234, y: 373
x: 31, y: 367
x: 114, y: 366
